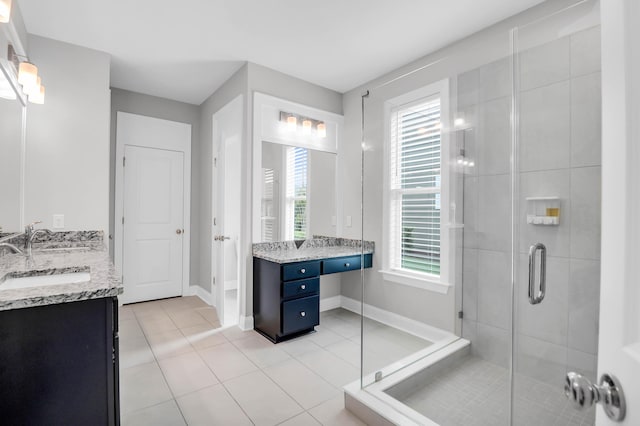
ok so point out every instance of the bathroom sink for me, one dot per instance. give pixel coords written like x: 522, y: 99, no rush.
x: 45, y: 280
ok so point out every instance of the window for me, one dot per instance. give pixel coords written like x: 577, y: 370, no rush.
x: 296, y: 203
x: 415, y: 187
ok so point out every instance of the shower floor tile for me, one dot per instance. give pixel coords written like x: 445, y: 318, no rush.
x: 473, y: 391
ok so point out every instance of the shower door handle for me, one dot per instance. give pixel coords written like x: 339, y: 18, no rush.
x: 537, y: 297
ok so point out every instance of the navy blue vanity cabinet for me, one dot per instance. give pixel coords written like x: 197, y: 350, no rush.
x: 286, y: 298
x: 59, y: 364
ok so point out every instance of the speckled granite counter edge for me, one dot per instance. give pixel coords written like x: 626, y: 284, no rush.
x: 326, y: 247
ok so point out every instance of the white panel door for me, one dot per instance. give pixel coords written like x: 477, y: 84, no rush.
x: 619, y: 345
x: 153, y: 224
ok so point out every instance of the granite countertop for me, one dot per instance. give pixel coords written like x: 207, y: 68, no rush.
x: 311, y: 249
x: 48, y: 259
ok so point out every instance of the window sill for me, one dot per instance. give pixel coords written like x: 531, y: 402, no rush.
x: 418, y: 282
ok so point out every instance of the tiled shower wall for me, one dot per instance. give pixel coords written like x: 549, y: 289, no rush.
x: 559, y: 143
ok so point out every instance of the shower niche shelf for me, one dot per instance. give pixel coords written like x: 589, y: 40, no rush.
x: 543, y: 211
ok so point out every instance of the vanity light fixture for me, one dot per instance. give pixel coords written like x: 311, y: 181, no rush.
x: 291, y: 121
x: 34, y: 88
x: 5, y: 11
x: 38, y: 97
x: 306, y: 126
x: 27, y: 74
x: 322, y: 130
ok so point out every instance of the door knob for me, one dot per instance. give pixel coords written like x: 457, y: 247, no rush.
x: 178, y: 231
x: 583, y: 394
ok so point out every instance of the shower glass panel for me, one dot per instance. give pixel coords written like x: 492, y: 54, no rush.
x: 470, y: 157
x: 558, y: 100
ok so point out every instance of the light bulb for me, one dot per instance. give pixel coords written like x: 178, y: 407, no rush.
x: 37, y: 98
x: 27, y: 74
x: 460, y: 160
x: 5, y: 11
x: 292, y: 122
x: 306, y: 127
x: 322, y: 130
x: 458, y: 122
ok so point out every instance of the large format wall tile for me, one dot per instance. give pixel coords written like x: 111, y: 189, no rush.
x: 468, y: 88
x: 492, y: 344
x: 494, y: 288
x: 545, y: 128
x: 584, y: 306
x: 585, y: 212
x: 586, y: 121
x: 494, y: 149
x: 585, y: 52
x: 470, y: 284
x: 547, y: 320
x: 542, y: 360
x: 495, y: 80
x: 470, y: 213
x: 494, y: 212
x: 551, y: 183
x: 545, y: 64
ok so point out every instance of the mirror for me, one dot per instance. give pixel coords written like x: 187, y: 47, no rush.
x: 298, y: 193
x: 12, y: 111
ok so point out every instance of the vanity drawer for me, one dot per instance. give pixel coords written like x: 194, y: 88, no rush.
x: 300, y: 314
x: 300, y: 288
x: 300, y: 270
x: 341, y: 264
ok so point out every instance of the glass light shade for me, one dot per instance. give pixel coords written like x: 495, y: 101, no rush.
x: 34, y: 88
x: 306, y: 127
x: 292, y: 122
x: 5, y: 11
x: 37, y: 98
x: 322, y: 130
x: 27, y: 74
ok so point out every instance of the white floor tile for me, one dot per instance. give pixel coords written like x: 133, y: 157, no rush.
x: 187, y: 373
x: 168, y: 344
x: 212, y: 406
x: 165, y: 414
x: 333, y: 413
x: 304, y: 419
x: 328, y: 366
x: 262, y: 352
x: 134, y: 351
x: 142, y: 386
x: 302, y: 384
x: 204, y: 336
x: 264, y: 402
x: 226, y: 361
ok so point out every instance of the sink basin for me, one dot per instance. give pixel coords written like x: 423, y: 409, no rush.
x: 45, y: 280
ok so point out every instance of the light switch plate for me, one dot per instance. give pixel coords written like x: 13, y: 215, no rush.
x: 58, y: 221
x: 348, y: 221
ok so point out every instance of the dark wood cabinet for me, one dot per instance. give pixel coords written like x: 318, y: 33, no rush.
x: 59, y: 364
x: 286, y: 296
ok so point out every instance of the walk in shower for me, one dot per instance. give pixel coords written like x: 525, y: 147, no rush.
x: 481, y: 190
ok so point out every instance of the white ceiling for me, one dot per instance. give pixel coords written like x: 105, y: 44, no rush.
x: 184, y: 50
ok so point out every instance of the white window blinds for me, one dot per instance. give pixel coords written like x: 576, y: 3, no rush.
x: 296, y: 190
x: 415, y: 185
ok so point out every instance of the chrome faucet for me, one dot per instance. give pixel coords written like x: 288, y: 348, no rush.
x: 11, y: 247
x: 30, y: 233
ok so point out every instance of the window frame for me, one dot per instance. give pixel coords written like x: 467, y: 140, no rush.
x: 289, y: 233
x: 438, y: 283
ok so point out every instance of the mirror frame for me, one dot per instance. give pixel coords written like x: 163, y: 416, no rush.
x: 266, y: 127
x: 9, y: 72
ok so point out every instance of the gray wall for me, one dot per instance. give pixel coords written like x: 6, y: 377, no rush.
x: 151, y: 106
x: 560, y: 144
x: 67, y: 152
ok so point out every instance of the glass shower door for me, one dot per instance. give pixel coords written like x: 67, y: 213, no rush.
x: 557, y: 177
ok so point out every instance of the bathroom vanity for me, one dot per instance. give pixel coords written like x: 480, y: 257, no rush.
x: 286, y: 281
x: 59, y: 333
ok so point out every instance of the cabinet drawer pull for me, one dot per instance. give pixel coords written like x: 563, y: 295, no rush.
x: 303, y: 287
x: 346, y: 265
x: 303, y: 314
x: 302, y: 271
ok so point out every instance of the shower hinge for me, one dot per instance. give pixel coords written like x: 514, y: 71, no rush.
x: 378, y: 376
x: 215, y: 162
x: 123, y: 220
x: 460, y: 314
x: 124, y: 160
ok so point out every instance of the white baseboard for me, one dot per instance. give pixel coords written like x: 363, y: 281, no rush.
x: 203, y: 294
x: 329, y: 303
x: 245, y: 323
x: 433, y: 334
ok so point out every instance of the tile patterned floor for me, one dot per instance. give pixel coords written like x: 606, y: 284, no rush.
x: 475, y: 392
x: 178, y: 366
